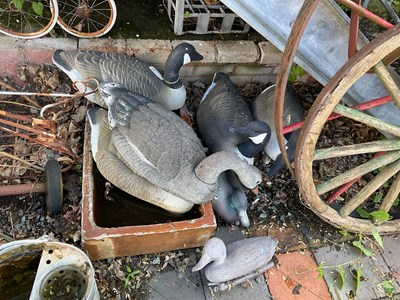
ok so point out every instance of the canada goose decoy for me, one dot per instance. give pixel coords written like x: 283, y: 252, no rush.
x: 263, y: 110
x: 116, y: 172
x: 157, y: 145
x: 229, y: 203
x: 226, y: 123
x: 237, y: 261
x: 132, y: 73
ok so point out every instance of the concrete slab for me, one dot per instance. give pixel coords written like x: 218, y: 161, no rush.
x: 374, y: 271
x: 169, y: 286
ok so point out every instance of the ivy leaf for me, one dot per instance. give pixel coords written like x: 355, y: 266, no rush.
x: 38, y: 8
x: 379, y: 215
x: 388, y: 287
x: 320, y: 270
x: 18, y: 4
x: 377, y: 237
x: 344, y: 232
x: 362, y: 248
x: 342, y: 276
x: 358, y: 278
x: 378, y: 197
x: 362, y: 212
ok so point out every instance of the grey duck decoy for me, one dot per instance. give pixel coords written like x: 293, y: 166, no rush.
x: 237, y: 261
x: 263, y: 110
x: 116, y: 172
x: 132, y: 73
x: 157, y: 145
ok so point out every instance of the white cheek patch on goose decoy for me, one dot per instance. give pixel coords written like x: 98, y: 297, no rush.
x: 258, y: 139
x: 186, y: 59
x: 156, y: 72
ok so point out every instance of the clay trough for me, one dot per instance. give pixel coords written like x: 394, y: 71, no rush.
x: 138, y: 228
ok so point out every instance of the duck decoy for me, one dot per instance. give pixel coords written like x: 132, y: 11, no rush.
x: 236, y: 262
x: 117, y: 173
x: 263, y: 110
x: 157, y: 145
x: 134, y: 74
x: 230, y: 204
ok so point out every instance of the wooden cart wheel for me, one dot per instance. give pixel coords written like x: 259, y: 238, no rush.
x: 383, y: 169
x: 54, y: 187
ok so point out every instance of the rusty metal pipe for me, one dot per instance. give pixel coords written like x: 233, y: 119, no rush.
x: 22, y: 189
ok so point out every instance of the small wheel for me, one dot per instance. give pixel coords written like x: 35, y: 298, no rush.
x: 87, y: 18
x: 27, y: 19
x: 379, y: 188
x: 54, y: 187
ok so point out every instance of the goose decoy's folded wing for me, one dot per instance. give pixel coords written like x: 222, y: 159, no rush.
x: 116, y: 172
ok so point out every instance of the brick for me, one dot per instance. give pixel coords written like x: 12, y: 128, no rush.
x: 236, y: 52
x: 150, y: 51
x: 295, y: 278
x: 269, y: 54
x: 103, y: 44
x: 205, y: 48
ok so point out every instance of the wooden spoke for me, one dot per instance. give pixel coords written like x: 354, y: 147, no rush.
x: 371, y: 187
x: 370, y: 147
x: 392, y: 194
x: 363, y: 169
x: 367, y: 119
x: 387, y: 80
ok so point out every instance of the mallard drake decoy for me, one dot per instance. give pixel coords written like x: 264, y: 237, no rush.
x: 237, y: 261
x: 263, y: 110
x: 229, y: 203
x: 116, y: 172
x: 157, y: 145
x: 132, y: 73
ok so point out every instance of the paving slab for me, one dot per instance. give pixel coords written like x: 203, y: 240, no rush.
x: 169, y: 286
x: 296, y: 278
x: 374, y: 271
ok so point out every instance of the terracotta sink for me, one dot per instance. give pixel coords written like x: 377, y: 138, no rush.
x: 107, y: 235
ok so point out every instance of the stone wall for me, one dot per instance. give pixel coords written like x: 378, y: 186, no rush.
x: 242, y: 60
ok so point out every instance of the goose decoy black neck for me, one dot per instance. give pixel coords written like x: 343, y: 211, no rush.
x: 181, y: 55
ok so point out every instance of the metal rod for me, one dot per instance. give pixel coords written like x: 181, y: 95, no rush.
x: 36, y: 94
x: 366, y: 13
x: 21, y: 189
